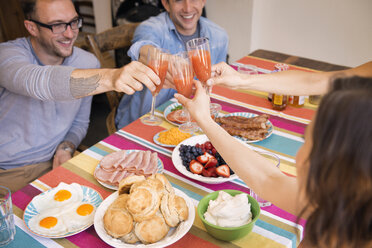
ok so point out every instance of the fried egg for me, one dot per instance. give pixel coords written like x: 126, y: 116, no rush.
x: 79, y: 215
x: 49, y: 222
x: 60, y: 196
x: 61, y: 210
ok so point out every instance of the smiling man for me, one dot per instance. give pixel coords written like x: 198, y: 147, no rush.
x: 51, y: 39
x: 181, y: 22
x: 43, y: 78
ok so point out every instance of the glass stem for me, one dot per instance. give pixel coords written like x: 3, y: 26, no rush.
x: 208, y: 89
x: 152, y: 114
x: 187, y: 114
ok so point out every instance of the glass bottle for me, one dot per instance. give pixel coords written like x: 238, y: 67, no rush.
x: 279, y: 102
x: 277, y: 67
x: 296, y: 101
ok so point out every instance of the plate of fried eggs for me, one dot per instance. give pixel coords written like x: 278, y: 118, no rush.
x: 62, y: 211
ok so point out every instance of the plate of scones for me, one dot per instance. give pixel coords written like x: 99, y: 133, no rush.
x: 144, y: 212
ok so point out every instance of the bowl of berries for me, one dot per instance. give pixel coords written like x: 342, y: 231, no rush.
x: 197, y: 158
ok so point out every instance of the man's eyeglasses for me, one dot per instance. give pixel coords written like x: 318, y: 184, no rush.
x: 61, y: 27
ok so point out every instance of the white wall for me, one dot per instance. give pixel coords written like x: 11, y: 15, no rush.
x: 102, y: 14
x: 235, y: 16
x: 334, y: 31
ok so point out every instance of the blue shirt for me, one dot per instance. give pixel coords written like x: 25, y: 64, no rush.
x: 37, y: 110
x: 160, y: 31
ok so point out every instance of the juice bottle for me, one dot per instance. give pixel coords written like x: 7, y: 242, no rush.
x: 279, y: 102
x: 277, y: 67
x: 296, y: 101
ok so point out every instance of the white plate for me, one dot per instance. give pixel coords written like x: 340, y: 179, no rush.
x: 89, y: 196
x: 156, y: 137
x: 173, y: 235
x: 113, y: 187
x: 177, y: 161
x: 168, y: 110
x: 249, y: 115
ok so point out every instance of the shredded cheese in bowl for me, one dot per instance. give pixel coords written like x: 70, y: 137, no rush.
x: 173, y: 136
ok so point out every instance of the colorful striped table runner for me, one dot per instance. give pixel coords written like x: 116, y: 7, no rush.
x: 275, y: 227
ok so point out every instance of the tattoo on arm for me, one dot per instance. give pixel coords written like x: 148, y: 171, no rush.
x: 81, y: 87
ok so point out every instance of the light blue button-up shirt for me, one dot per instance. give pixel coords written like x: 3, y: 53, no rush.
x: 160, y: 31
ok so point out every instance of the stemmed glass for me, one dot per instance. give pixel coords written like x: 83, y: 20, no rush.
x: 183, y: 75
x: 157, y: 60
x: 199, y: 53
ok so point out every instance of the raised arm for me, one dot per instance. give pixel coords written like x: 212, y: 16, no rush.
x: 22, y: 75
x: 128, y: 79
x: 256, y: 171
x: 286, y: 82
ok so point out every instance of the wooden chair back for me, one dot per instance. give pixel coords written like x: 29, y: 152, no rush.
x: 108, y: 40
x: 111, y: 39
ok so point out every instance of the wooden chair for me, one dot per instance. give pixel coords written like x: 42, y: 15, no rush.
x: 111, y: 39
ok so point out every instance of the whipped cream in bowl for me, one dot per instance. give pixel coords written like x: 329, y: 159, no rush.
x: 228, y: 210
x: 228, y: 214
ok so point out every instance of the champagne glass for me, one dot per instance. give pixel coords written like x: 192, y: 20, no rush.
x: 157, y: 60
x: 183, y: 80
x: 199, y: 53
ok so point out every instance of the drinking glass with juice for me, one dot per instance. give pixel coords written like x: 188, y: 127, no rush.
x: 157, y: 60
x: 199, y: 53
x: 183, y: 80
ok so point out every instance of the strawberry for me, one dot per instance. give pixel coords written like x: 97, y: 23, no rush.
x: 196, y: 167
x: 214, y: 172
x: 212, y: 162
x: 223, y: 171
x: 208, y: 145
x: 209, y: 172
x: 204, y: 158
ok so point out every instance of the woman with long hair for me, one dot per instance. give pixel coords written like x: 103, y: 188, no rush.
x: 333, y: 188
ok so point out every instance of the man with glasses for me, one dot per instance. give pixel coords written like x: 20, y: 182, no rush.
x: 43, y: 79
x: 59, y: 28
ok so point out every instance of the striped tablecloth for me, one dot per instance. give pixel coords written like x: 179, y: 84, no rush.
x: 275, y: 227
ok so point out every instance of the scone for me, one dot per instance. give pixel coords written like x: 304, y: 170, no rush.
x: 153, y: 183
x: 126, y: 183
x: 117, y: 222
x: 174, y: 209
x: 168, y: 187
x: 143, y: 203
x: 120, y: 202
x: 152, y: 230
x: 130, y: 238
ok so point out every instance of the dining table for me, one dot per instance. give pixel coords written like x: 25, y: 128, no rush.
x: 274, y: 227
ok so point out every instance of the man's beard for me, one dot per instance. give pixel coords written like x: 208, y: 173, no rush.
x: 53, y: 49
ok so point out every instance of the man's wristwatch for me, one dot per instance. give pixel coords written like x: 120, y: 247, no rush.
x: 67, y: 148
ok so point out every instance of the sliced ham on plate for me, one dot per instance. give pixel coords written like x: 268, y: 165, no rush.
x: 118, y: 165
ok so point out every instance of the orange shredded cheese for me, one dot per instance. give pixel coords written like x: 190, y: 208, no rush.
x: 173, y: 136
